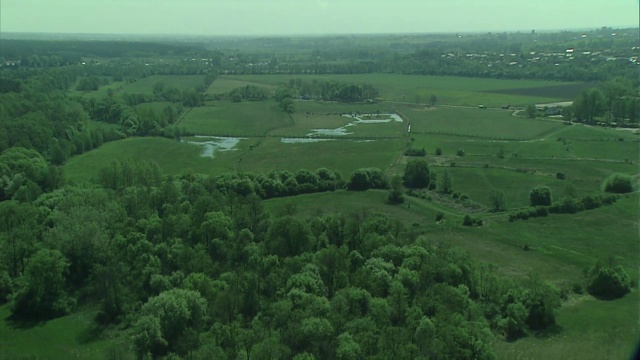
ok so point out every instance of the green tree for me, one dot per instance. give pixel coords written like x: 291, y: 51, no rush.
x: 531, y: 111
x: 514, y: 321
x: 416, y: 174
x: 433, y: 99
x: 444, y: 183
x: 395, y: 193
x: 41, y: 293
x: 608, y: 281
x: 618, y: 184
x: 497, y: 200
x: 287, y: 236
x: 348, y: 348
x: 589, y: 105
x: 168, y: 320
x: 540, y: 196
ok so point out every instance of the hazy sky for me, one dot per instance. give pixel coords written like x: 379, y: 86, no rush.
x: 282, y: 17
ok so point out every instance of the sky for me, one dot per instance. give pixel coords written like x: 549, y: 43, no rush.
x: 310, y: 17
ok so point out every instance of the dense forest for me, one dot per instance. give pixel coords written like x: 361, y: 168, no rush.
x: 194, y: 266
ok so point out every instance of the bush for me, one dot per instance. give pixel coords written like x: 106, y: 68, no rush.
x: 439, y: 216
x: 460, y: 152
x: 561, y: 176
x: 540, y: 195
x: 566, y: 206
x: 416, y: 174
x: 542, y: 211
x: 618, y: 184
x: 591, y: 202
x: 497, y: 201
x: 367, y: 178
x: 438, y: 151
x: 608, y: 282
x: 6, y: 287
x: 415, y: 152
x: 471, y: 221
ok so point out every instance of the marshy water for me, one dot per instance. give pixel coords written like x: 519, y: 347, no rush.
x: 358, y: 119
x: 211, y: 144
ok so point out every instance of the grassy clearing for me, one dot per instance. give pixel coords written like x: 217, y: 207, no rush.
x: 101, y: 92
x: 590, y: 329
x: 586, y: 132
x: 448, y: 90
x: 477, y: 182
x: 253, y: 118
x: 173, y: 158
x: 493, y: 124
x: 347, y: 202
x: 224, y: 84
x: 254, y: 155
x: 69, y: 337
x: 561, y: 245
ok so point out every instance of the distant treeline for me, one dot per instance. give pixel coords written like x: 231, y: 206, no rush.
x: 72, y: 51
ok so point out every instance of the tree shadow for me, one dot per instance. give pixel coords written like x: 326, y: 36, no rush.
x: 23, y: 323
x: 551, y: 331
x: 91, y: 333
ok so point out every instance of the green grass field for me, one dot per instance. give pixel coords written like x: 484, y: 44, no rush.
x: 255, y: 155
x: 484, y: 123
x: 590, y: 329
x: 68, y: 337
x: 253, y: 118
x: 448, y: 90
x: 342, y: 155
x: 173, y: 158
x: 224, y: 85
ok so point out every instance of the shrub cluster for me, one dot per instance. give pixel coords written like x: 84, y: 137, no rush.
x: 608, y: 282
x: 280, y: 183
x: 415, y: 152
x: 471, y: 221
x: 564, y: 206
x: 618, y: 184
x: 367, y: 178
